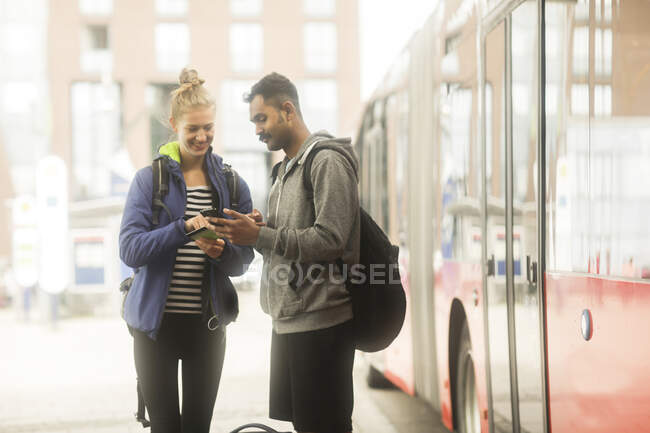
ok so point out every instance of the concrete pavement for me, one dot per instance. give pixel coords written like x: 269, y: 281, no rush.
x: 80, y: 378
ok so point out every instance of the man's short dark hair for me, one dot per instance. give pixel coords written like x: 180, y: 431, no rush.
x: 275, y: 89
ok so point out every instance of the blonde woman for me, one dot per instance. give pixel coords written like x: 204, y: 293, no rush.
x: 181, y: 298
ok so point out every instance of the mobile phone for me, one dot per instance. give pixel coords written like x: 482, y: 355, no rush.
x: 210, y: 212
x: 203, y: 232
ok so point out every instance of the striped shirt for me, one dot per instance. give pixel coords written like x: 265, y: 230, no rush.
x: 184, y: 294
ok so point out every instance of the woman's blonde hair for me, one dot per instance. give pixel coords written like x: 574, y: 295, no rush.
x: 190, y: 94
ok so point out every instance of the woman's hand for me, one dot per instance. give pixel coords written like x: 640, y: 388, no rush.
x: 212, y: 247
x: 197, y: 222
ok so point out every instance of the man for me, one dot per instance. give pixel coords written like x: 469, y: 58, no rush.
x: 303, y: 288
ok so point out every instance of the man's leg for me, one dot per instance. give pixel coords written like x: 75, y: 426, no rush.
x: 321, y: 379
x: 280, y: 397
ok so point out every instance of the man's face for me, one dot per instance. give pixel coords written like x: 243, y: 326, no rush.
x: 196, y: 130
x: 271, y: 125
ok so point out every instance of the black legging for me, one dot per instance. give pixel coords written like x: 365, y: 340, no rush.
x: 181, y: 336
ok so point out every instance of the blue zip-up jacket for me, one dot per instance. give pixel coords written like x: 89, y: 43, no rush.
x: 151, y: 250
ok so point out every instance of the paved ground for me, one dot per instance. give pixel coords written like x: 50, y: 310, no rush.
x: 79, y: 378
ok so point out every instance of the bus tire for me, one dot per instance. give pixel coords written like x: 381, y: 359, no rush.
x: 465, y: 397
x: 375, y: 379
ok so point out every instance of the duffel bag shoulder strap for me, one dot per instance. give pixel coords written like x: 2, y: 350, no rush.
x: 160, y: 189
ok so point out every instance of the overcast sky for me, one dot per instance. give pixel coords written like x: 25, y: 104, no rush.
x: 385, y: 28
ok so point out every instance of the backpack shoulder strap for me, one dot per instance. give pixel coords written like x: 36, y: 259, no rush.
x: 232, y: 180
x: 274, y: 172
x: 160, y: 189
x: 306, y: 173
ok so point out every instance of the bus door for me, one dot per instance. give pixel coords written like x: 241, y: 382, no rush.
x: 513, y: 312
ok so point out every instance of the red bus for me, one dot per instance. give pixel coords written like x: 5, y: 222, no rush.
x: 507, y: 153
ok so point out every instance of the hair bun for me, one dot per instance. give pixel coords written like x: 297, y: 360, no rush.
x: 191, y: 77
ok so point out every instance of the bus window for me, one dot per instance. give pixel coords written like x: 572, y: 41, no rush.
x: 460, y: 206
x: 374, y: 165
x: 567, y: 136
x: 397, y: 156
x: 619, y: 126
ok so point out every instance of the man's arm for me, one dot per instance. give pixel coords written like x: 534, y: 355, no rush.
x: 234, y: 259
x: 336, y: 205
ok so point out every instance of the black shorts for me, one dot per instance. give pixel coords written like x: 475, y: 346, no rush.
x: 311, y: 379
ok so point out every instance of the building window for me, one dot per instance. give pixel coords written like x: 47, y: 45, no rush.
x: 171, y: 7
x: 96, y: 7
x: 253, y: 167
x: 318, y: 103
x: 320, y: 47
x: 22, y: 121
x: 95, y: 49
x: 172, y: 46
x: 96, y: 136
x: 237, y: 132
x: 246, y: 47
x: 580, y: 99
x: 582, y: 10
x: 319, y: 8
x: 240, y: 145
x: 27, y: 11
x: 245, y: 8
x: 581, y: 50
x: 603, y: 52
x: 158, y: 102
x: 602, y: 100
x: 19, y: 49
x: 19, y: 97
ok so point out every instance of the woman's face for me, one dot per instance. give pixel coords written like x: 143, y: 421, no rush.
x: 195, y: 130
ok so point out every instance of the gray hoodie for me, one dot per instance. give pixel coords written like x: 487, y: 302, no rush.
x: 309, y: 238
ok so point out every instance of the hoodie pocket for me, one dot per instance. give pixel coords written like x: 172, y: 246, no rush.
x: 283, y: 301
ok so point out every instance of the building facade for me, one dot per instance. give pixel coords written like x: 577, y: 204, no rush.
x: 100, y: 93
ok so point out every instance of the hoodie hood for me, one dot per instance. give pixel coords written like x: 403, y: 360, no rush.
x: 324, y: 137
x: 172, y: 150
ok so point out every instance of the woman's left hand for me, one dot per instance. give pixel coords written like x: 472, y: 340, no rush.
x: 212, y: 247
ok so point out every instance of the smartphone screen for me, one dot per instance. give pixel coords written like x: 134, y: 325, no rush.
x: 203, y: 232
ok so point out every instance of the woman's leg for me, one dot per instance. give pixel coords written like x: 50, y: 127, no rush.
x: 202, y: 364
x: 156, y: 363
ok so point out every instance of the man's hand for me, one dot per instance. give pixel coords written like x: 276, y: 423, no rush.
x: 242, y: 230
x: 257, y: 217
x: 212, y: 247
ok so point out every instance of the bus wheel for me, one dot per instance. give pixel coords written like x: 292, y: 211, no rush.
x: 376, y: 379
x: 466, y: 401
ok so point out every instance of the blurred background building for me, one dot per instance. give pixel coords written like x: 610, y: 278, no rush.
x: 89, y: 81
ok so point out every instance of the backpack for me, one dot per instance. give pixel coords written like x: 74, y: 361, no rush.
x: 379, y: 306
x: 160, y: 189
